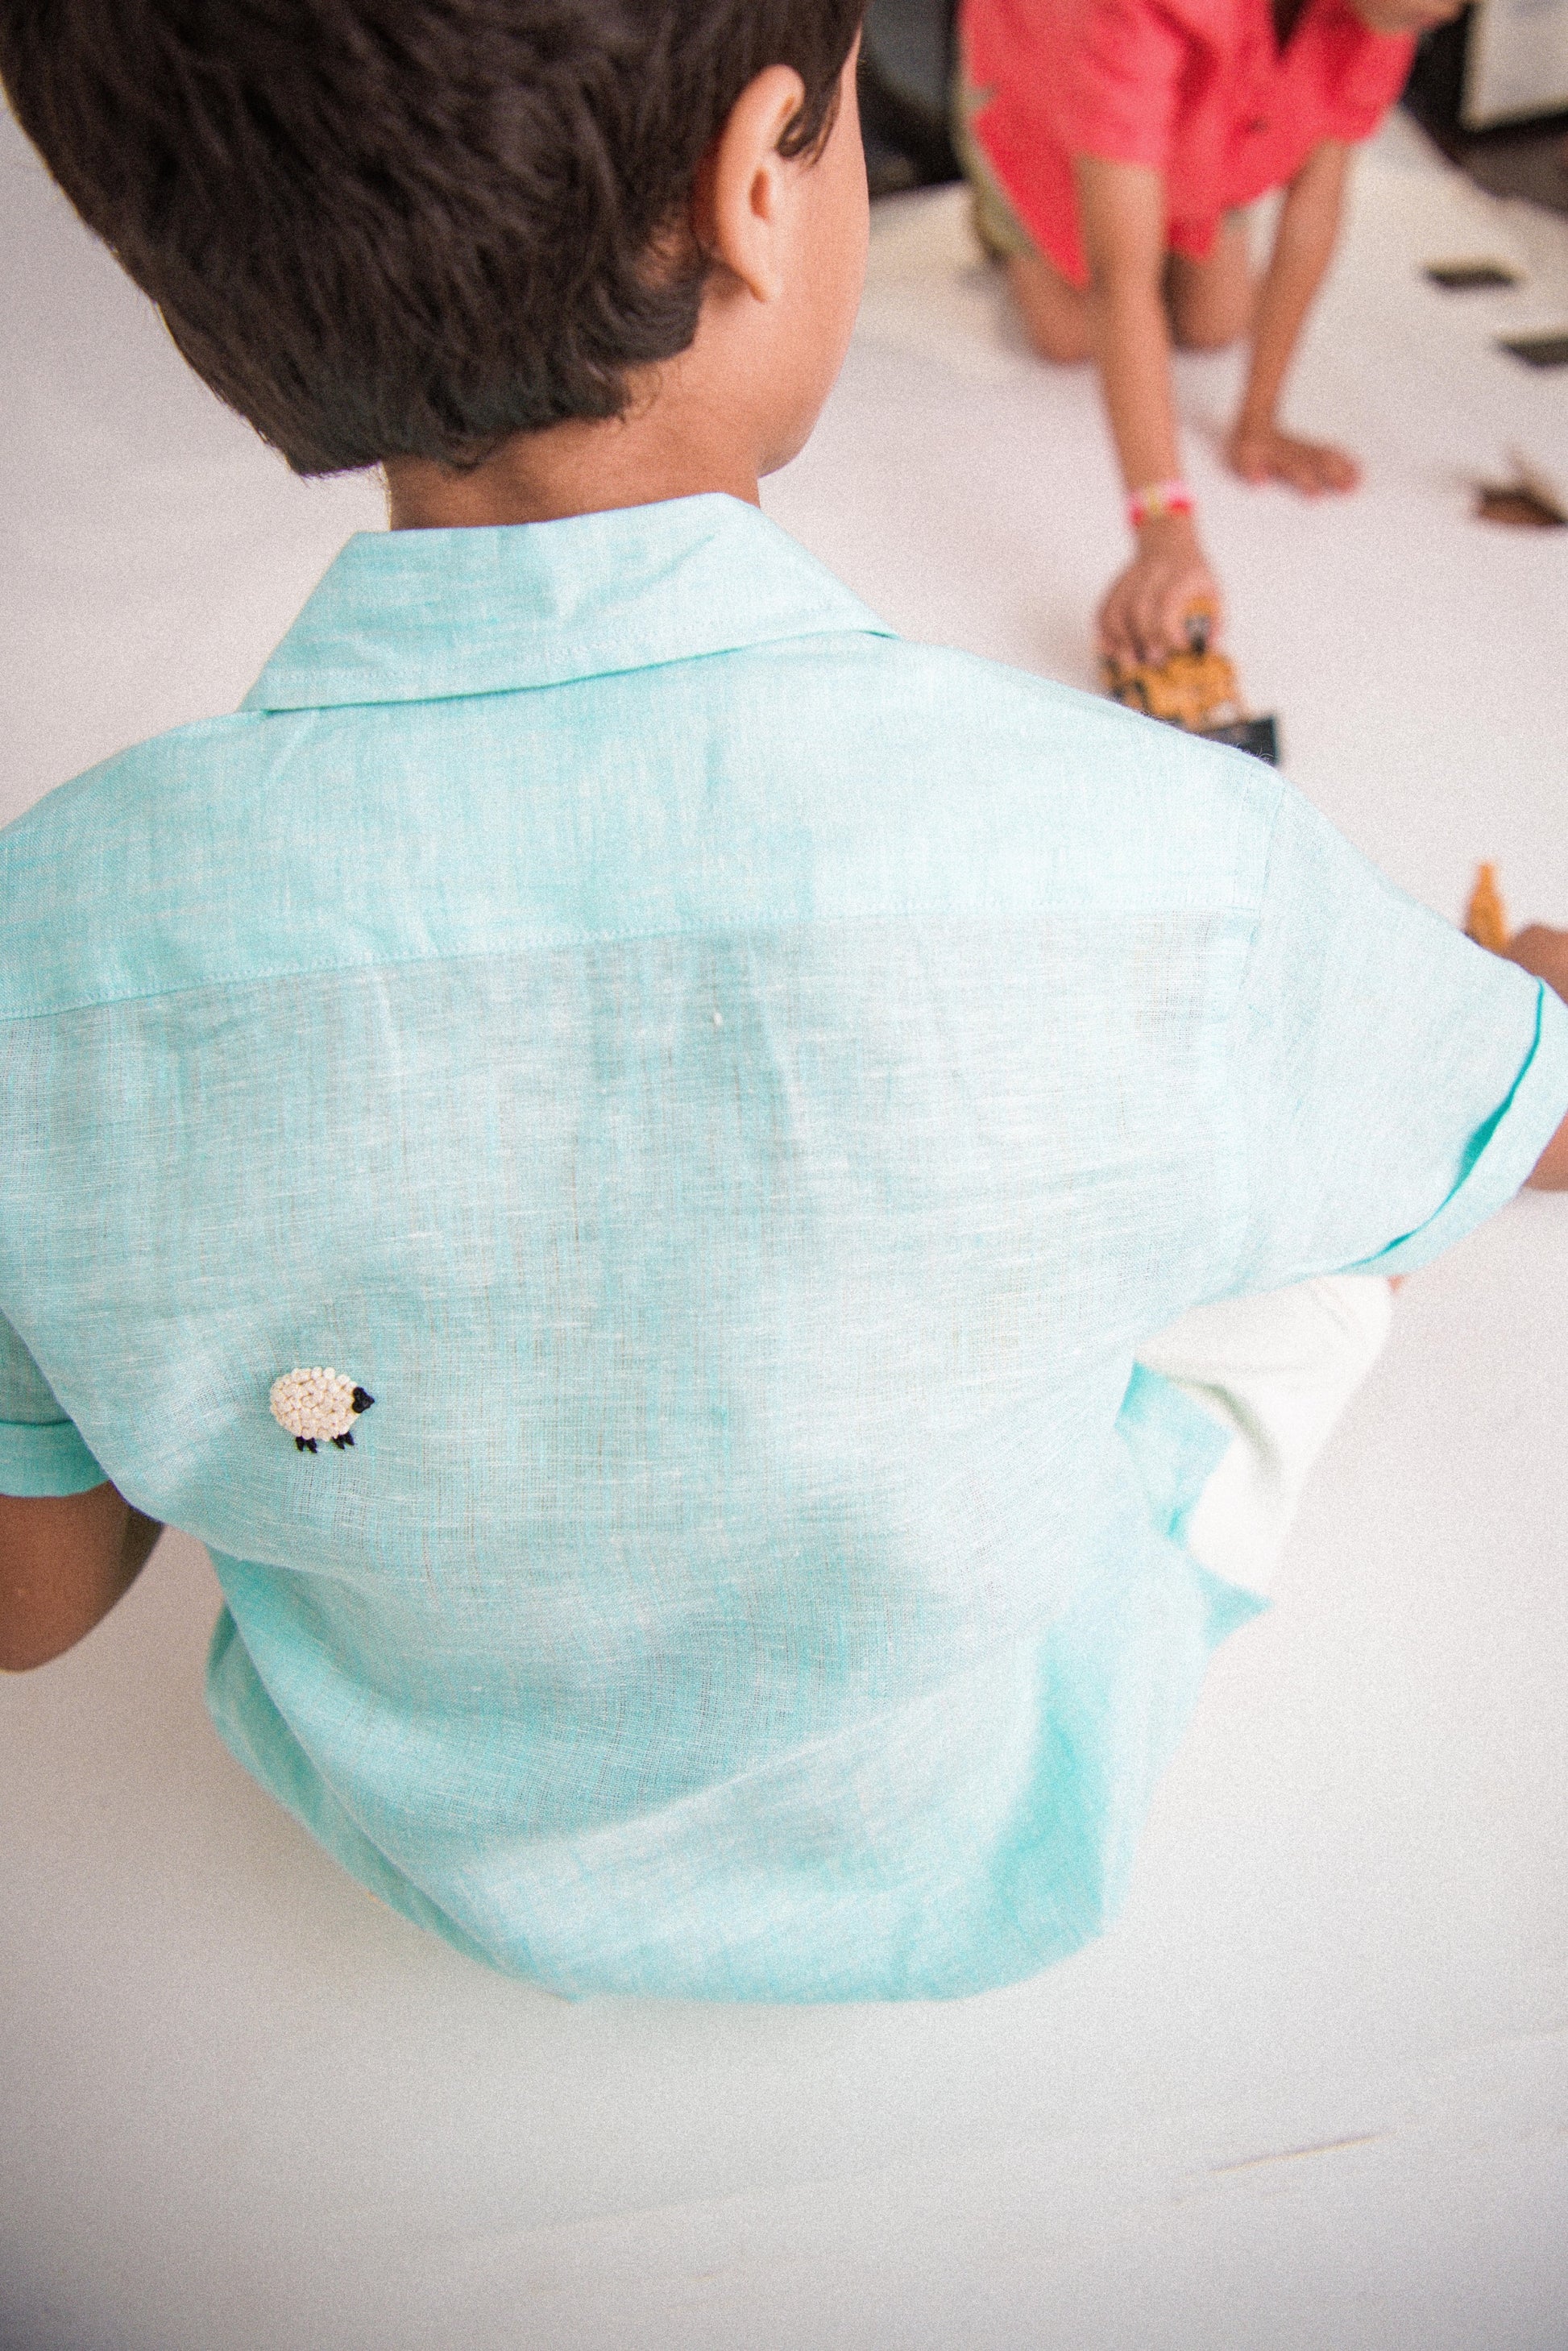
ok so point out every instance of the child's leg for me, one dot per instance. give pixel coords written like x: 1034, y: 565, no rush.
x: 1277, y: 1369
x: 1211, y: 302
x: 1055, y: 313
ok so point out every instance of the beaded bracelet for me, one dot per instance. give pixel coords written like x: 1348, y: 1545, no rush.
x: 1156, y: 500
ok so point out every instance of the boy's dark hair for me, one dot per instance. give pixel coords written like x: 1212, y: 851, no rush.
x: 387, y: 228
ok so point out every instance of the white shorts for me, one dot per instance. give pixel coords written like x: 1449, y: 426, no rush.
x: 1277, y: 1369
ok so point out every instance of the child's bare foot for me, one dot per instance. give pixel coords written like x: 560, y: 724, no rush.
x: 1261, y: 453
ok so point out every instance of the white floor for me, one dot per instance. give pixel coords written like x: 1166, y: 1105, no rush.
x: 1311, y: 2094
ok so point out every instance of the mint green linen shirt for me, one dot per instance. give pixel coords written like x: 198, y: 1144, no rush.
x: 735, y: 1089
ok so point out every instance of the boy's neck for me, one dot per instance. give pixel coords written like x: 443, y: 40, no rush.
x: 576, y: 468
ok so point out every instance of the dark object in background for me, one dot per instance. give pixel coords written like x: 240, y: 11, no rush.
x: 906, y: 74
x: 1258, y: 736
x: 1435, y: 91
x: 1538, y: 350
x: 1518, y: 506
x: 1520, y: 156
x: 1469, y: 276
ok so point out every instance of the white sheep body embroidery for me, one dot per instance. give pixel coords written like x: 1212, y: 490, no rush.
x: 317, y: 1402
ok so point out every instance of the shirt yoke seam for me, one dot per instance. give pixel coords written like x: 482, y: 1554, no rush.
x: 1231, y: 915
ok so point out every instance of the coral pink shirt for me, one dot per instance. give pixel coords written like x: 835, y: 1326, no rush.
x: 1197, y: 89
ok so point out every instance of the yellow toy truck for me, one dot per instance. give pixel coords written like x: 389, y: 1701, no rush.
x: 1196, y: 688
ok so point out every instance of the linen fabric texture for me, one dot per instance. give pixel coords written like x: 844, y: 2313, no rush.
x: 1197, y: 90
x: 737, y: 1090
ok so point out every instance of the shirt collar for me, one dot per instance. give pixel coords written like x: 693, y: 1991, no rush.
x: 419, y: 615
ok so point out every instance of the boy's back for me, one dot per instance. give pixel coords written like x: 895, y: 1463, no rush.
x: 712, y: 1102
x: 737, y: 1091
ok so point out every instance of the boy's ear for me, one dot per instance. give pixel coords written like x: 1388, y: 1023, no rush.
x: 740, y: 198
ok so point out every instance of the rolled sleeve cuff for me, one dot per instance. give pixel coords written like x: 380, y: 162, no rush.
x: 42, y: 1457
x: 1509, y: 1153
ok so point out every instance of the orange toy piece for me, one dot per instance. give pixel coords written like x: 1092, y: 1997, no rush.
x: 1196, y: 688
x: 1486, y: 916
x: 1193, y: 688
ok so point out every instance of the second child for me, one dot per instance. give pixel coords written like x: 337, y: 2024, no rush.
x: 1111, y: 145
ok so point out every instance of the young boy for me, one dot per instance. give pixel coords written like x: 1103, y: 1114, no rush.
x: 622, y: 1145
x: 1112, y: 144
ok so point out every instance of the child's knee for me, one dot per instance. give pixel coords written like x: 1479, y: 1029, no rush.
x: 1205, y: 317
x: 1055, y: 314
x: 1206, y: 335
x: 1212, y: 302
x: 1063, y: 345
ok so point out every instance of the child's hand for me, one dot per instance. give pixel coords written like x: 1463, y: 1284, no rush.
x: 1543, y: 953
x: 1143, y: 618
x: 1261, y: 453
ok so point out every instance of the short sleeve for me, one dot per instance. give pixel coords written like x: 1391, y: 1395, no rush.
x: 1120, y: 84
x: 1363, y: 74
x: 1393, y: 1085
x: 40, y: 1450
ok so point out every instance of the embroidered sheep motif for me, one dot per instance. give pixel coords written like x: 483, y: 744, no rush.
x: 318, y: 1403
